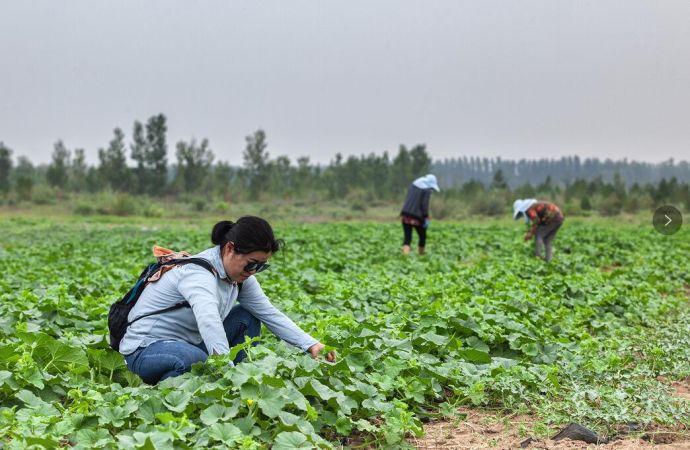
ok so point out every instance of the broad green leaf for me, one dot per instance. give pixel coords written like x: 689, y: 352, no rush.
x: 92, y: 438
x: 154, y: 440
x: 177, y: 400
x: 271, y: 406
x: 45, y: 442
x: 149, y: 408
x: 477, y: 344
x: 377, y: 405
x: 347, y: 404
x: 114, y: 415
x: 242, y: 373
x: 217, y: 412
x: 343, y: 425
x: 34, y: 377
x: 288, y: 418
x: 37, y: 404
x: 5, y: 376
x: 225, y: 433
x: 318, y: 389
x: 108, y: 360
x: 434, y: 338
x: 290, y: 440
x: 530, y: 349
x: 365, y: 425
x: 29, y: 398
x: 246, y: 425
x: 55, y: 352
x: 474, y: 355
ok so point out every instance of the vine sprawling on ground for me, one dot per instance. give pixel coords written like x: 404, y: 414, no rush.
x: 477, y: 321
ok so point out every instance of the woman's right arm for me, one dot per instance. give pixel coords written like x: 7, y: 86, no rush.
x: 253, y: 299
x: 200, y: 288
x: 534, y: 220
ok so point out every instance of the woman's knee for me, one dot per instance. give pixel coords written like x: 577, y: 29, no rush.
x: 181, y: 364
x: 252, y: 325
x: 163, y: 361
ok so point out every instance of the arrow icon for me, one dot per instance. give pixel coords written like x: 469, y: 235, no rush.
x: 667, y: 220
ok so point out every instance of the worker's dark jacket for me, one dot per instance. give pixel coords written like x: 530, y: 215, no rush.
x: 417, y: 203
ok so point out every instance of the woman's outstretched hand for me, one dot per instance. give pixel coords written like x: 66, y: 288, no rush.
x: 316, y: 349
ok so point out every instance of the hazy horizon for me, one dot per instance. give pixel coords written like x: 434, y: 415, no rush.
x: 532, y: 80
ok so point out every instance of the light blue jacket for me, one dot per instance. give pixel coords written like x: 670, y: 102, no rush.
x: 211, y: 299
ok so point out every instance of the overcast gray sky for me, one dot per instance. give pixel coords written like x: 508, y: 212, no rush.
x: 490, y: 78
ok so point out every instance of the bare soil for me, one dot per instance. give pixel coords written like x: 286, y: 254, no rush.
x: 486, y: 430
x: 682, y: 388
x: 610, y: 268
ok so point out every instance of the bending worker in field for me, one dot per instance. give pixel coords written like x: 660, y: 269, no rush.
x: 415, y: 211
x: 221, y: 313
x: 546, y: 219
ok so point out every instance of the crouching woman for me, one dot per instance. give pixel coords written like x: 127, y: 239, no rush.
x: 221, y: 312
x: 545, y: 218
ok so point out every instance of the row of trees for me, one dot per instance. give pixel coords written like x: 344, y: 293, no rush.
x: 566, y: 170
x: 68, y: 170
x: 141, y: 166
x: 595, y: 195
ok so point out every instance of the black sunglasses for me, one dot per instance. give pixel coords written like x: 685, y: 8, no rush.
x: 258, y: 266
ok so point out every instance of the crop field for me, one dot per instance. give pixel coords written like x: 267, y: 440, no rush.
x: 598, y: 336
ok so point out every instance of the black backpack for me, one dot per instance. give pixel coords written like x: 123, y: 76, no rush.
x: 119, y: 311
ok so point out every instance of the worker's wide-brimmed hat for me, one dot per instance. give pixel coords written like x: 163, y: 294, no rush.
x: 521, y: 206
x: 427, y: 182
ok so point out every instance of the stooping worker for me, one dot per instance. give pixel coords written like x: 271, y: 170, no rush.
x: 546, y: 218
x: 415, y: 211
x: 221, y: 313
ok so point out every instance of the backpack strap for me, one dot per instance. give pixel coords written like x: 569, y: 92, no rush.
x: 198, y: 261
x: 173, y: 262
x: 184, y: 304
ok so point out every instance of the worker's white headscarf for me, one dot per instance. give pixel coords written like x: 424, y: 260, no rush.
x: 427, y: 182
x: 521, y: 206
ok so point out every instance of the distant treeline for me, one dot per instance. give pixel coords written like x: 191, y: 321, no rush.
x: 142, y: 167
x: 562, y: 171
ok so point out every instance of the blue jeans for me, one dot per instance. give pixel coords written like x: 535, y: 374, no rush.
x: 165, y: 359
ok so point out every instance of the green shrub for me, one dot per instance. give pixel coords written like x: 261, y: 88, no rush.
x: 572, y: 208
x: 490, y: 206
x: 222, y: 207
x: 611, y: 205
x: 631, y: 204
x: 153, y: 211
x: 11, y: 199
x: 585, y: 204
x: 84, y: 209
x: 199, y: 204
x: 358, y: 205
x: 123, y: 205
x: 25, y: 187
x: 44, y: 195
x: 359, y: 200
x: 443, y: 208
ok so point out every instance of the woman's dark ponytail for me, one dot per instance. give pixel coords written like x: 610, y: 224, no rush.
x: 220, y: 230
x: 249, y: 234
